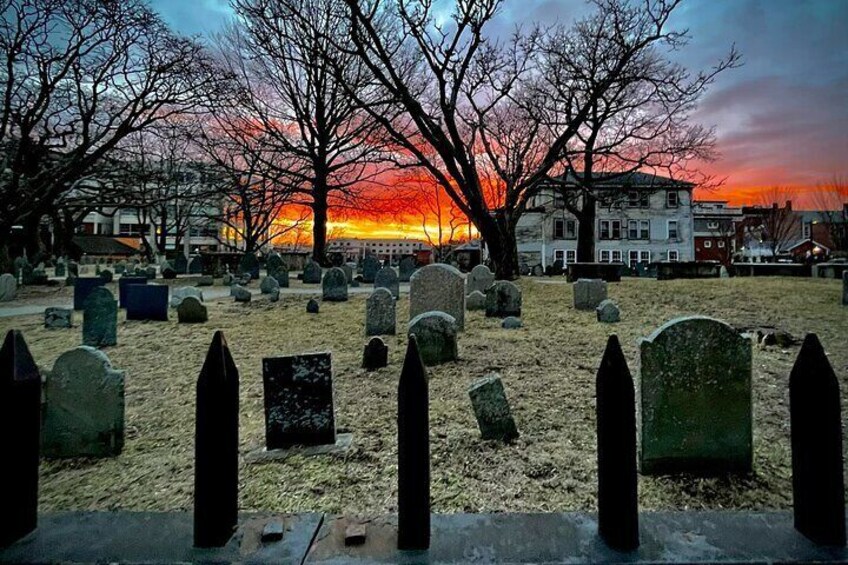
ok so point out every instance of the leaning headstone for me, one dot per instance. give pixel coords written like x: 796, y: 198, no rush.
x: 83, y: 286
x: 480, y: 278
x: 440, y: 288
x: 123, y: 284
x: 376, y: 355
x: 370, y: 266
x: 492, y: 409
x: 240, y: 294
x: 589, y: 293
x: 58, y: 318
x: 312, y: 307
x: 183, y: 292
x: 511, y: 323
x: 8, y: 287
x: 180, y: 264
x: 406, y: 268
x: 147, y: 302
x: 608, y: 312
x: 312, y: 273
x: 100, y: 318
x: 20, y: 434
x: 436, y: 333
x: 84, y: 413
x: 503, y: 299
x: 249, y: 265
x: 475, y: 301
x: 334, y: 285
x: 192, y: 311
x: 388, y: 279
x: 298, y: 400
x: 269, y: 285
x: 380, y: 313
x: 695, y: 398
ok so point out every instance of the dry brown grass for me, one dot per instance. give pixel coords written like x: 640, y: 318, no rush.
x: 548, y: 368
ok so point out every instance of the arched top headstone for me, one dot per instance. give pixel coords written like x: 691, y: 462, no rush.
x: 438, y: 287
x: 480, y: 278
x: 503, y: 299
x: 387, y: 278
x: 334, y: 285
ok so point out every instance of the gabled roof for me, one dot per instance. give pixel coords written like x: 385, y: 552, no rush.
x: 801, y: 242
x: 103, y: 245
x: 634, y: 179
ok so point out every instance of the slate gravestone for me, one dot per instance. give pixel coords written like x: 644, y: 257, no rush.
x: 695, y: 398
x: 370, y: 266
x: 61, y: 269
x: 376, y: 354
x: 441, y: 288
x: 298, y: 400
x: 123, y: 283
x: 538, y: 271
x: 722, y: 273
x: 388, y: 279
x: 348, y: 270
x: 147, y: 302
x: 608, y: 312
x: 312, y: 307
x: 83, y: 287
x: 511, y: 323
x: 589, y: 293
x: 8, y: 287
x: 58, y: 318
x: 503, y: 299
x: 475, y: 301
x: 380, y: 313
x: 180, y: 264
x: 845, y: 287
x: 312, y: 273
x: 195, y: 266
x: 334, y: 286
x: 282, y: 277
x: 84, y: 413
x: 100, y: 319
x: 479, y: 279
x: 269, y: 285
x: 249, y: 265
x: 406, y: 268
x: 192, y: 311
x: 492, y: 409
x: 240, y: 294
x: 183, y: 292
x: 436, y: 333
x: 273, y: 263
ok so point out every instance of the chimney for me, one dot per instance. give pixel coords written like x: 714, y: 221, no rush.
x: 789, y: 205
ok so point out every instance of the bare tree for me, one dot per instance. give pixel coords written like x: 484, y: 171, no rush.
x: 773, y: 224
x: 831, y: 199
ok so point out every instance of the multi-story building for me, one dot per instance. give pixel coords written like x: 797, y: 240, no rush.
x: 715, y: 227
x: 642, y: 218
x: 390, y: 250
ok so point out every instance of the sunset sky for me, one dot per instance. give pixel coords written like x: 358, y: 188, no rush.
x: 781, y: 119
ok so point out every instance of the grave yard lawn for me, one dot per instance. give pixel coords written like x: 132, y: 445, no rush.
x: 548, y: 368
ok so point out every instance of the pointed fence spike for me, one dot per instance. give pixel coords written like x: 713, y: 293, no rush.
x: 216, y: 447
x: 618, y: 504
x: 20, y: 434
x: 818, y: 490
x: 413, y: 452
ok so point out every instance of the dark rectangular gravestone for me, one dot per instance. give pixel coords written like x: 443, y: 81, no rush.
x: 123, y: 283
x: 147, y: 302
x: 298, y: 400
x: 83, y: 287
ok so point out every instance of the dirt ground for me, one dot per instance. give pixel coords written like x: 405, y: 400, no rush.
x: 548, y: 368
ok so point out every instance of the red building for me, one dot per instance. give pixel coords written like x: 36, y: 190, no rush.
x: 715, y: 226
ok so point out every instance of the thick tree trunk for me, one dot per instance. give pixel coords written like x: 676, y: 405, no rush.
x: 499, y: 235
x: 319, y: 226
x: 586, y: 230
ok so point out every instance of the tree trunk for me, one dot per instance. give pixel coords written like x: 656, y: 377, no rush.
x: 499, y: 235
x: 319, y: 226
x: 586, y: 229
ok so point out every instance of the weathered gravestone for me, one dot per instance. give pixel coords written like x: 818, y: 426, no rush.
x: 147, y: 302
x: 694, y: 398
x: 589, y: 293
x: 83, y: 286
x: 503, y: 299
x: 334, y: 286
x: 61, y: 268
x: 84, y: 413
x: 376, y: 354
x: 240, y: 294
x: 249, y: 265
x: 380, y: 313
x: 277, y: 269
x: 123, y: 284
x: 180, y: 264
x: 192, y: 311
x: 475, y: 301
x: 8, y: 287
x: 100, y: 318
x: 58, y: 318
x: 183, y: 292
x: 511, y: 323
x: 73, y: 269
x: 722, y: 273
x: 120, y: 268
x: 479, y: 279
x: 370, y: 266
x: 608, y: 312
x: 195, y: 266
x: 438, y: 288
x: 436, y: 334
x: 312, y: 307
x: 269, y: 285
x: 312, y: 273
x: 298, y: 400
x: 406, y: 268
x: 492, y: 409
x: 150, y: 272
x: 388, y: 279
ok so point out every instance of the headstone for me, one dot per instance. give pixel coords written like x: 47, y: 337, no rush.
x: 479, y: 279
x: 195, y: 266
x: 441, y: 288
x: 511, y: 323
x: 388, y: 279
x: 492, y: 409
x: 348, y: 272
x: 273, y: 263
x: 120, y: 268
x: 722, y: 273
x: 61, y: 268
x: 8, y: 287
x: 183, y: 292
x: 436, y: 334
x: 274, y: 296
x: 298, y: 400
x: 475, y: 301
x: 608, y: 312
x: 100, y: 318
x: 695, y: 398
x: 192, y: 311
x: 312, y: 273
x: 180, y: 264
x: 503, y: 299
x: 312, y: 307
x: 249, y: 265
x: 58, y: 318
x: 228, y: 279
x: 20, y: 435
x: 282, y: 276
x: 240, y: 293
x: 334, y: 285
x: 216, y: 444
x: 376, y: 354
x: 370, y: 266
x: 84, y: 414
x: 125, y: 282
x: 150, y: 272
x: 589, y: 293
x: 538, y: 271
x: 406, y: 268
x: 557, y: 268
x: 73, y: 269
x: 380, y: 313
x: 83, y: 287
x: 147, y: 302
x: 269, y: 285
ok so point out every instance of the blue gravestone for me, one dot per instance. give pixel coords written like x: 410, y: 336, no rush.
x: 123, y: 283
x: 147, y: 302
x: 83, y: 287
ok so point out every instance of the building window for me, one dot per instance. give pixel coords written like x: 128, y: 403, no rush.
x: 610, y: 229
x: 712, y: 225
x: 673, y: 255
x: 721, y: 244
x: 564, y: 229
x: 604, y: 256
x: 707, y: 244
x: 639, y: 229
x: 806, y: 230
x: 633, y: 199
x: 672, y: 229
x: 638, y: 256
x: 616, y: 256
x: 570, y: 256
x: 671, y: 199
